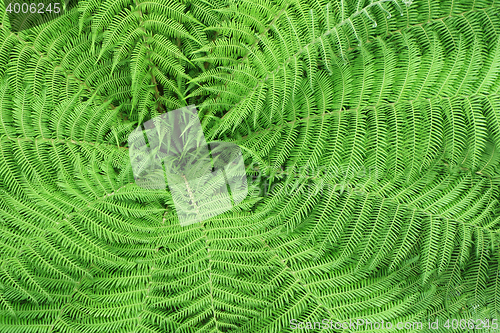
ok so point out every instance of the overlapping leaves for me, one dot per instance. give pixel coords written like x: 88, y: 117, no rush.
x: 372, y: 127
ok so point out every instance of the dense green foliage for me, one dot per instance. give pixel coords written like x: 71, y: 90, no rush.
x: 375, y: 126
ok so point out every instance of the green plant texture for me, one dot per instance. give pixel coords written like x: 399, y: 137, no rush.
x: 370, y: 132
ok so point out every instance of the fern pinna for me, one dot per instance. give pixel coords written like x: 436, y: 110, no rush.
x: 370, y: 132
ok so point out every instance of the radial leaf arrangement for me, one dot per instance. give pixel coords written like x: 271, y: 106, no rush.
x: 370, y: 132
